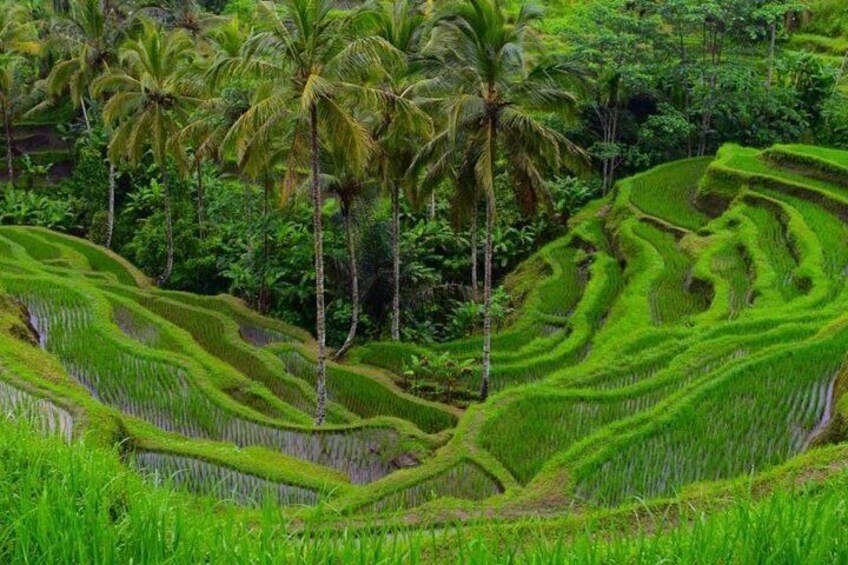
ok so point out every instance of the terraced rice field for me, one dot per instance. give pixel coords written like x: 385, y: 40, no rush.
x: 690, y: 327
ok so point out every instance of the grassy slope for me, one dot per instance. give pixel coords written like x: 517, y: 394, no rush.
x: 651, y: 332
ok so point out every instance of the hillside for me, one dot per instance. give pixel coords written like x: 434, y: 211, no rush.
x: 690, y: 328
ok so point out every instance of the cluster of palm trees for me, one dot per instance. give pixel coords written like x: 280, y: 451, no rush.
x: 399, y: 94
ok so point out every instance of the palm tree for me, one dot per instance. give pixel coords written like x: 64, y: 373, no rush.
x: 403, y: 126
x: 495, y: 92
x: 150, y: 98
x: 88, y: 34
x: 302, y: 54
x: 223, y: 104
x: 18, y: 37
x: 441, y: 161
x: 187, y: 15
x: 349, y: 188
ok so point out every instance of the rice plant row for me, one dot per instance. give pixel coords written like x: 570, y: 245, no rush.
x: 43, y: 415
x: 206, y: 479
x: 668, y: 192
x: 466, y: 481
x: 733, y: 263
x: 830, y: 231
x: 531, y: 430
x: 366, y: 397
x: 100, y: 261
x: 35, y: 247
x: 759, y: 416
x: 674, y: 295
x: 161, y: 393
x: 536, y: 427
x: 140, y: 329
x: 213, y: 335
x: 776, y: 244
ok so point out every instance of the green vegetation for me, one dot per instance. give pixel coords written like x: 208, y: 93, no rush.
x: 729, y: 362
x: 419, y: 281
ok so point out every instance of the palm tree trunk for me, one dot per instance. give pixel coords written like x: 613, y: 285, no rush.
x: 110, y: 222
x: 201, y: 222
x: 10, y: 158
x: 487, y: 264
x: 773, y: 31
x: 266, y: 249
x: 354, y: 289
x: 317, y: 221
x: 432, y: 206
x: 474, y: 289
x: 85, y: 115
x: 169, y: 228
x: 395, y: 263
x: 487, y: 295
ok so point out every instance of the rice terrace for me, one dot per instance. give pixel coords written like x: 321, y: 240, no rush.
x: 402, y: 281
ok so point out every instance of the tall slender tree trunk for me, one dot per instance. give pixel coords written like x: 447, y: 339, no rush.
x: 773, y: 32
x: 266, y: 250
x: 10, y: 158
x: 110, y: 221
x: 169, y: 228
x: 201, y: 216
x: 432, y: 206
x: 85, y: 115
x: 487, y: 296
x: 395, y: 263
x: 487, y: 265
x: 354, y: 288
x: 320, y: 322
x: 474, y: 289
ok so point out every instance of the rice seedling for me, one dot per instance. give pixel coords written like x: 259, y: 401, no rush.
x: 536, y: 427
x: 734, y: 264
x: 44, y: 416
x: 104, y: 264
x: 674, y: 294
x: 776, y: 244
x: 668, y: 192
x: 212, y: 332
x: 214, y: 481
x: 261, y: 337
x: 365, y: 396
x: 830, y: 231
x: 466, y: 480
x: 161, y: 393
x: 758, y: 416
x: 140, y: 329
x: 36, y: 247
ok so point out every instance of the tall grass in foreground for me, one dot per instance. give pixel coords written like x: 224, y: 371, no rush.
x: 73, y: 503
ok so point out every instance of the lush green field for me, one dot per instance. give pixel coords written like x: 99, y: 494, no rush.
x: 668, y: 390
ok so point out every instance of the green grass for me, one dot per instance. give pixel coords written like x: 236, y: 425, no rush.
x: 659, y: 361
x: 755, y: 417
x: 674, y: 294
x: 668, y: 192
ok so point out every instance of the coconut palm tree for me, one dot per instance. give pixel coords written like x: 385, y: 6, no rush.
x: 443, y: 160
x: 224, y: 102
x: 302, y: 52
x: 187, y: 15
x: 87, y: 33
x: 403, y: 126
x: 350, y: 189
x: 149, y: 99
x: 18, y: 38
x: 495, y: 91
